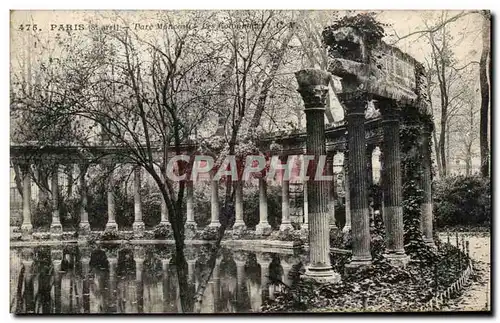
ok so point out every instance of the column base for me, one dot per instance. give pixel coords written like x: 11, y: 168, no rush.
x: 26, y: 231
x: 164, y: 222
x: 111, y: 226
x: 358, y: 262
x: 239, y: 226
x: 429, y: 242
x: 214, y: 225
x: 190, y: 230
x: 286, y: 226
x: 263, y: 229
x: 210, y: 232
x: 397, y: 260
x: 84, y: 228
x: 346, y: 228
x: 56, y: 231
x: 321, y: 274
x: 138, y: 228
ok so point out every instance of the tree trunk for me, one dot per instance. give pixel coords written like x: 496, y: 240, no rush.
x: 442, y: 147
x: 69, y: 179
x: 266, y: 85
x: 449, y: 162
x: 484, y: 73
x: 434, y: 135
x: 438, y: 155
x: 18, y: 178
x: 468, y: 163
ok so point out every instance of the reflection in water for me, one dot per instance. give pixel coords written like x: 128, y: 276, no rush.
x: 141, y: 279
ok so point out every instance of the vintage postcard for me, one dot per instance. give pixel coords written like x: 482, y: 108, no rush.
x: 250, y: 161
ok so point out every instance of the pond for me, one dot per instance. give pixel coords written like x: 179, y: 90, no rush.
x: 143, y: 279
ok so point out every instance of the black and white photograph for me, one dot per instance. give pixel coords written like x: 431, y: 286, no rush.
x: 250, y: 161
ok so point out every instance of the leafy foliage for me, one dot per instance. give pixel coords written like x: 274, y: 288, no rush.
x: 162, y: 231
x: 411, y: 167
x: 379, y: 287
x: 364, y: 24
x: 462, y: 200
x: 109, y: 235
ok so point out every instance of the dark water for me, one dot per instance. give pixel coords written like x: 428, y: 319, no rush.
x: 142, y: 279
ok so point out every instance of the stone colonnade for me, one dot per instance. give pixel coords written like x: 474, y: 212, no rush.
x: 356, y: 200
x: 313, y: 87
x: 111, y: 295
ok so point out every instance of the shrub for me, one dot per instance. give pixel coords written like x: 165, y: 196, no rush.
x: 462, y: 200
x: 109, y: 235
x: 69, y: 212
x: 162, y: 231
x: 42, y: 215
x: 251, y: 206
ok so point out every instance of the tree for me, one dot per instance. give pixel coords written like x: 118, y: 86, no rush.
x: 446, y: 70
x: 485, y: 79
x: 145, y: 94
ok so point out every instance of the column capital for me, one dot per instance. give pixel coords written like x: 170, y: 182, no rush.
x: 113, y: 260
x: 288, y: 261
x: 24, y: 166
x: 355, y: 102
x: 313, y: 87
x: 111, y: 253
x: 239, y: 257
x: 56, y: 254
x: 139, y: 252
x: 263, y: 258
x: 190, y: 254
x: 27, y: 254
x: 85, y: 252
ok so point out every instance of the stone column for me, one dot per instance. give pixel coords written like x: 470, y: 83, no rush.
x: 239, y: 223
x: 26, y: 227
x: 164, y: 212
x: 369, y: 165
x: 382, y: 206
x: 369, y: 183
x: 426, y: 184
x: 29, y: 288
x: 139, y: 269
x: 191, y: 262
x: 305, y: 225
x: 57, y: 255
x: 214, y: 201
x: 263, y: 228
x: 331, y: 199
x: 138, y: 225
x: 165, y: 263
x: 111, y: 225
x: 272, y: 291
x: 240, y: 261
x: 355, y: 104
x: 287, y: 265
x: 215, y: 284
x: 264, y: 260
x: 190, y: 203
x: 84, y: 216
x: 392, y: 187
x: 190, y: 225
x: 347, y: 192
x: 286, y: 222
x: 55, y: 226
x: 85, y: 261
x: 313, y: 87
x: 112, y: 292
